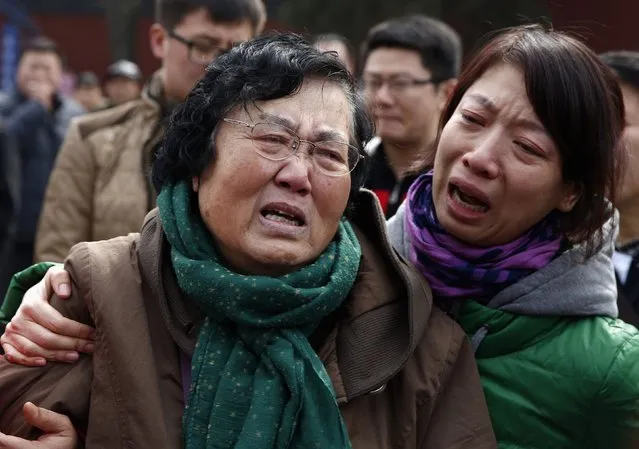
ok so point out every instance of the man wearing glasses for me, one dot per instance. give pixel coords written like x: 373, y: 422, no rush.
x: 100, y: 186
x: 410, y: 69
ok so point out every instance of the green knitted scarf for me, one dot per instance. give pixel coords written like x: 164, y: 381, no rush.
x: 256, y: 381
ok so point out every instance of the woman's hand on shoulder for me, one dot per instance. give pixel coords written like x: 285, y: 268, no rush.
x: 58, y: 431
x: 38, y: 332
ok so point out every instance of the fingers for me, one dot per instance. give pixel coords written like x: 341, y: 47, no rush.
x: 28, y: 348
x: 47, y: 339
x: 56, y: 280
x: 13, y: 356
x: 46, y: 420
x: 9, y: 442
x: 46, y: 316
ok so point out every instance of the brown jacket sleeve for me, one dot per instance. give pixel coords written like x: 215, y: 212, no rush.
x: 61, y: 387
x: 460, y: 418
x: 67, y: 210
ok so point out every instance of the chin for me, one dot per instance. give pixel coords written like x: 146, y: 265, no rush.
x: 284, y: 257
x: 390, y: 131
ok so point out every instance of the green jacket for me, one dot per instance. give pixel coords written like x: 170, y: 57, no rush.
x: 558, y: 382
x: 559, y: 371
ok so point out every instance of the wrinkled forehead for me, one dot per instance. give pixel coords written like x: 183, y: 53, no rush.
x: 501, y: 87
x: 318, y: 107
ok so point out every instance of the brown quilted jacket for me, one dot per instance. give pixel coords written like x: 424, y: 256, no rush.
x: 403, y: 372
x: 99, y: 187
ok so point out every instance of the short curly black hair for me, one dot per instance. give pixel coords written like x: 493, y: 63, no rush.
x: 266, y: 68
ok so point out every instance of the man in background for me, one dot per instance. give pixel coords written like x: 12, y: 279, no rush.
x: 9, y: 197
x: 626, y: 258
x: 122, y: 82
x: 100, y: 187
x: 410, y: 69
x: 36, y: 115
x: 88, y: 91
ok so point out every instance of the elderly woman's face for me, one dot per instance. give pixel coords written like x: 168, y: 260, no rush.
x: 272, y: 217
x: 497, y: 171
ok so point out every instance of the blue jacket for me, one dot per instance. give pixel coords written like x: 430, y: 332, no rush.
x: 38, y: 134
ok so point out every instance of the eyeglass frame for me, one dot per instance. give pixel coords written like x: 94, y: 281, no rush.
x: 294, y: 150
x: 190, y: 45
x: 410, y: 82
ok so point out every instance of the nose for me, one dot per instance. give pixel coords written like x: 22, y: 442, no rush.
x: 295, y: 173
x: 482, y: 159
x: 382, y: 96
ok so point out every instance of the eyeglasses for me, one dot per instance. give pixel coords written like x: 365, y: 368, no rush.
x: 277, y: 143
x: 199, y: 53
x: 396, y: 86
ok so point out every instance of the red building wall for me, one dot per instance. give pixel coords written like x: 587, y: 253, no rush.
x: 84, y: 41
x: 604, y: 24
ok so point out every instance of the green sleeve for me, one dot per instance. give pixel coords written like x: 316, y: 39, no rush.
x: 617, y: 415
x: 20, y: 283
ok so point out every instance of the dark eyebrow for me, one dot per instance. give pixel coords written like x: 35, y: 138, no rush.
x: 485, y: 102
x: 278, y: 119
x: 492, y: 107
x: 320, y: 136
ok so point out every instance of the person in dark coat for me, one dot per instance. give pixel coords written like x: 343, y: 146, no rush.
x: 9, y: 195
x: 626, y: 257
x: 37, y: 116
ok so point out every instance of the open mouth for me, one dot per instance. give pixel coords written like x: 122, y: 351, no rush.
x: 284, y: 213
x: 467, y: 200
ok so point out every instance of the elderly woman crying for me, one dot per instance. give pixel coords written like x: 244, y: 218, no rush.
x: 253, y: 309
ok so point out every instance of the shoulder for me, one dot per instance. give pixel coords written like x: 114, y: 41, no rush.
x: 606, y: 336
x: 442, y: 341
x: 8, y: 102
x: 108, y: 120
x: 96, y: 265
x: 71, y: 108
x: 622, y: 343
x: 442, y: 347
x: 594, y: 349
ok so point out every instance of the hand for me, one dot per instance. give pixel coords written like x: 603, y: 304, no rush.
x: 42, y: 91
x: 58, y: 431
x: 38, y: 332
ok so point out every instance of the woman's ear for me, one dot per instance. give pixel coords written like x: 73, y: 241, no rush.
x: 195, y: 183
x: 571, y: 196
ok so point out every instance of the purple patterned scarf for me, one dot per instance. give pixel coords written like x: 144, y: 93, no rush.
x: 458, y: 270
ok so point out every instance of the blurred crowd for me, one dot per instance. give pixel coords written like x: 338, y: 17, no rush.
x: 36, y: 118
x: 82, y: 166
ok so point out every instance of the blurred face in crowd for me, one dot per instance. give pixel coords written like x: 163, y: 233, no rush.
x: 90, y: 97
x: 39, y: 67
x: 342, y: 52
x: 404, y: 102
x: 271, y: 217
x: 186, y: 50
x: 120, y: 90
x: 629, y: 192
x: 494, y: 155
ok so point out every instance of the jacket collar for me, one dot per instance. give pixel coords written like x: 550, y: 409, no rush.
x: 506, y: 332
x: 375, y: 331
x: 153, y: 92
x: 387, y: 312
